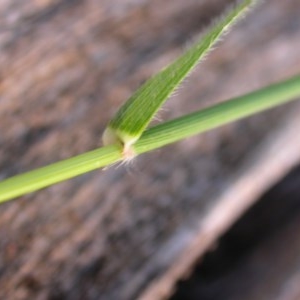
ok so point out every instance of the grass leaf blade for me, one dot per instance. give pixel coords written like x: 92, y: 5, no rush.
x: 133, y: 117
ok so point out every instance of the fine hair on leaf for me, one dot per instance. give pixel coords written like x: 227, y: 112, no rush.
x: 131, y: 120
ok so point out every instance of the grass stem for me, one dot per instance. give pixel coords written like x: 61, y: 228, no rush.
x: 155, y: 137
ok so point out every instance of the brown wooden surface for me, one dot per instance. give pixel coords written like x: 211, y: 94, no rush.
x: 65, y: 66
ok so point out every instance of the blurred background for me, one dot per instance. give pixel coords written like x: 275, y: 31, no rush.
x: 215, y: 216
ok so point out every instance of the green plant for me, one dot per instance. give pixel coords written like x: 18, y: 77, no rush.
x: 126, y: 134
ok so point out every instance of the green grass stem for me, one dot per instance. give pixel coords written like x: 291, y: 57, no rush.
x: 155, y: 137
x: 219, y: 114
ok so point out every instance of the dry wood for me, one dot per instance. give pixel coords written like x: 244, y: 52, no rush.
x: 65, y: 68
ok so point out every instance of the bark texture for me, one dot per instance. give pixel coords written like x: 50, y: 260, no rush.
x: 65, y: 67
